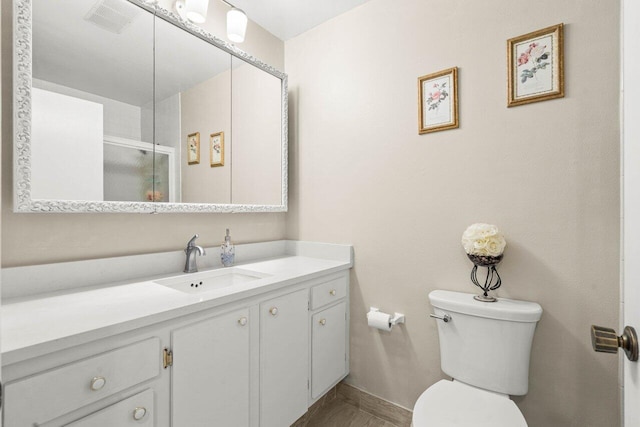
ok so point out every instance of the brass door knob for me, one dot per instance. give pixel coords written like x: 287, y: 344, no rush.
x: 606, y: 340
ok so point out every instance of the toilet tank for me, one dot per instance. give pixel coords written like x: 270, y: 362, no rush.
x: 486, y: 344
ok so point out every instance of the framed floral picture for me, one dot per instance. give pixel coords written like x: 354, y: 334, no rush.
x: 535, y: 64
x: 193, y: 148
x: 216, y: 149
x: 438, y: 101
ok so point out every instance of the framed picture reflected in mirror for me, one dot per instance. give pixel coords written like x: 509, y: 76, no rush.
x: 216, y: 149
x: 193, y: 148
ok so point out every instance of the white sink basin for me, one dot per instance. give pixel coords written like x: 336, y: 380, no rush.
x: 206, y: 281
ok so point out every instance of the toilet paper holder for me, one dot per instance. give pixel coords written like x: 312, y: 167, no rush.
x: 394, y: 320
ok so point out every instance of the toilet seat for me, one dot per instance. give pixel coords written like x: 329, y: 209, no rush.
x: 452, y: 403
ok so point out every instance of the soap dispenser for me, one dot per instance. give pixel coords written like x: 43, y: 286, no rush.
x: 227, y: 255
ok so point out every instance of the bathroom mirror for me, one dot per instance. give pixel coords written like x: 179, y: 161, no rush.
x: 120, y: 106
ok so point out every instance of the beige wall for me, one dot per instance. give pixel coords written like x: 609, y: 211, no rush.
x: 545, y: 173
x: 41, y: 238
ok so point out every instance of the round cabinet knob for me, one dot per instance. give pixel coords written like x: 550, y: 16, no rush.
x: 242, y: 321
x: 606, y: 340
x: 323, y: 322
x: 332, y: 292
x: 139, y: 413
x: 97, y: 383
x: 273, y: 311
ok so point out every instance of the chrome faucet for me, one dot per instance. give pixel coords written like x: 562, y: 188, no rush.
x: 190, y: 265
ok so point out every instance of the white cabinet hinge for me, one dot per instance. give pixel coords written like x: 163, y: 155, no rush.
x: 167, y: 358
x: 308, y: 305
x: 307, y: 383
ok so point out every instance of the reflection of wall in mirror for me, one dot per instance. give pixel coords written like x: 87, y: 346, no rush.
x: 120, y: 119
x: 66, y: 147
x: 257, y: 136
x: 205, y: 108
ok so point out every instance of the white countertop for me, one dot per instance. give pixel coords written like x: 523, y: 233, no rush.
x: 38, y: 324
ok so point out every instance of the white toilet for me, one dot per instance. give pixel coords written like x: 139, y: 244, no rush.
x: 485, y: 347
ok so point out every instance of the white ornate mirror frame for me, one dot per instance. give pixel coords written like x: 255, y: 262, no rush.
x: 22, y: 84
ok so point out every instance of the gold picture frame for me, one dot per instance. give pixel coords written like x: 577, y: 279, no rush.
x: 438, y: 101
x: 216, y: 149
x: 193, y: 148
x: 535, y: 66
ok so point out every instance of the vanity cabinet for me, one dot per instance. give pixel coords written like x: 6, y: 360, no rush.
x: 284, y: 359
x: 210, y: 371
x: 257, y: 361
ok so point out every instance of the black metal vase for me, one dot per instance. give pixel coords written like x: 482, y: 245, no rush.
x: 492, y: 281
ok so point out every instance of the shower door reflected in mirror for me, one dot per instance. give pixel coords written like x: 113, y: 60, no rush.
x: 193, y: 95
x: 92, y: 80
x: 133, y: 171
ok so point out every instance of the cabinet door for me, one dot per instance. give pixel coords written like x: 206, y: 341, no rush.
x: 210, y: 373
x: 284, y: 359
x: 328, y: 348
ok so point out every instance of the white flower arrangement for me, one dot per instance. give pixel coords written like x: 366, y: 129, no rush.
x: 483, y: 240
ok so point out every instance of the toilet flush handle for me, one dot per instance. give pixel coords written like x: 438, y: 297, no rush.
x: 445, y: 318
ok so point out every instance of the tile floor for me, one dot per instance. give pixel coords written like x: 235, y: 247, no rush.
x: 339, y: 413
x: 347, y: 406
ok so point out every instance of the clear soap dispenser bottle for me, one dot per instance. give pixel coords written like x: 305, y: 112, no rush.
x: 228, y: 252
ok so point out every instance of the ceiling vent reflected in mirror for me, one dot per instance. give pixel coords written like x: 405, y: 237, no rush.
x: 112, y: 15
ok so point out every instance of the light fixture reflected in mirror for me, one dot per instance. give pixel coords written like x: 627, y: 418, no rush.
x: 236, y: 25
x: 196, y: 12
x: 192, y: 10
x: 179, y: 6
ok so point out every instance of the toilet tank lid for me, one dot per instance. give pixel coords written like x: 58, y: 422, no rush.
x: 503, y: 309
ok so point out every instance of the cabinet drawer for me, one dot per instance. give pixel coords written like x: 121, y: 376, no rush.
x: 328, y: 292
x: 134, y: 411
x: 48, y: 395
